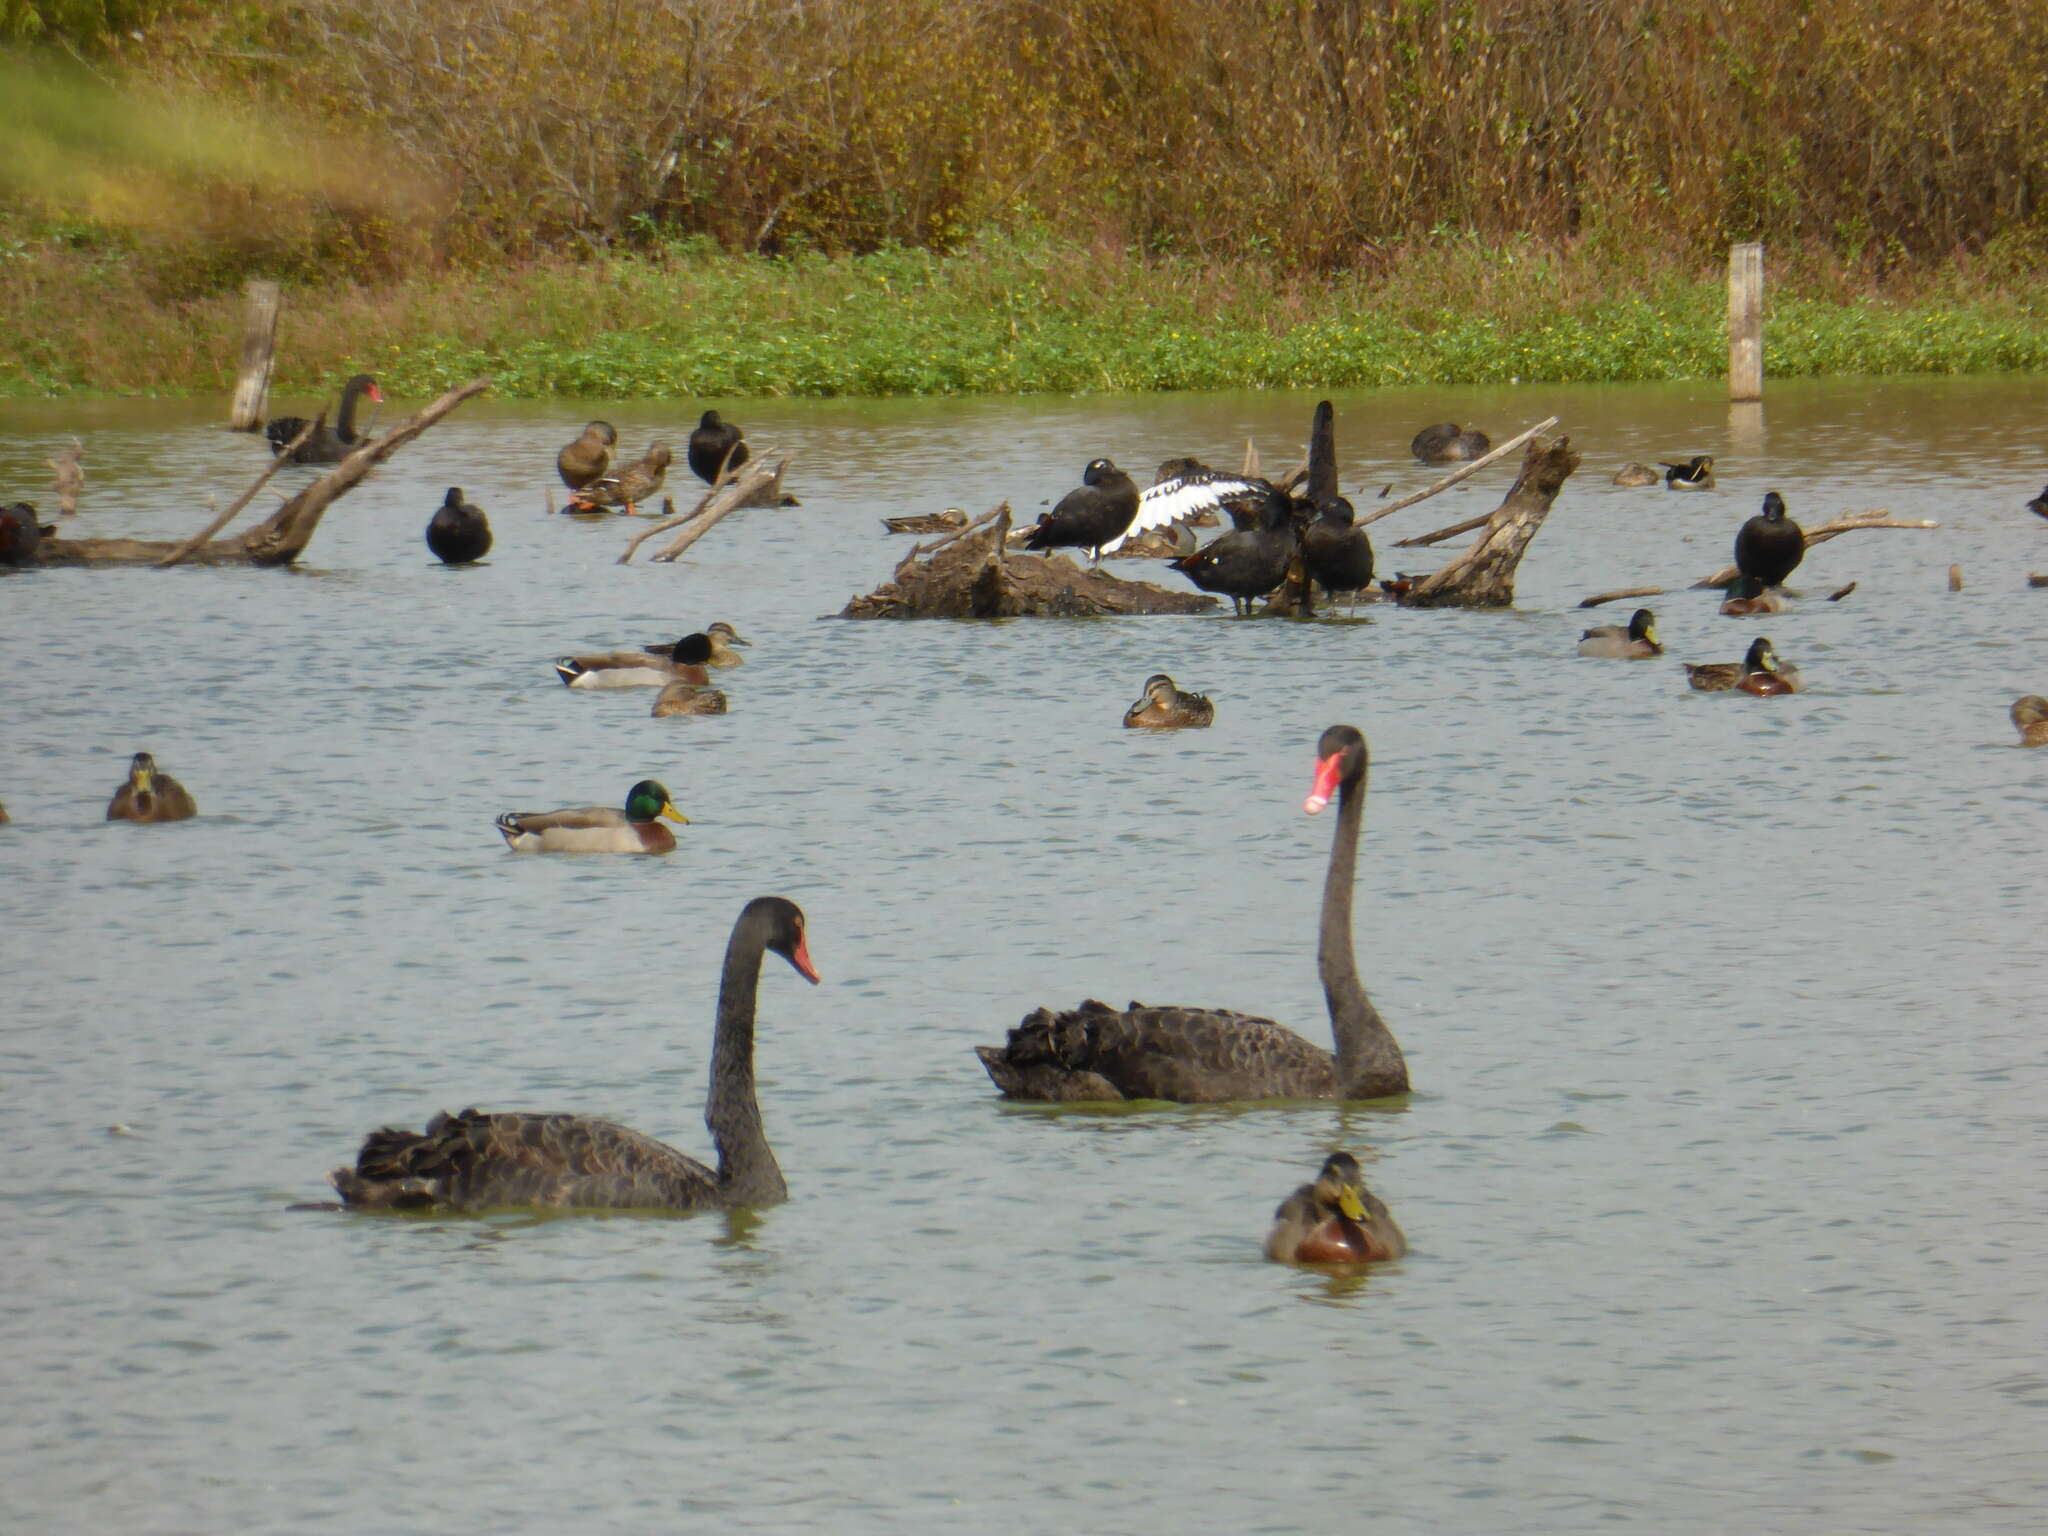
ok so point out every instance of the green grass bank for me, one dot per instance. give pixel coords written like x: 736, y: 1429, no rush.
x: 1012, y: 316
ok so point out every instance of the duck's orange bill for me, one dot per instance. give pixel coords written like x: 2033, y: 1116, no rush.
x: 801, y: 959
x: 1327, y: 769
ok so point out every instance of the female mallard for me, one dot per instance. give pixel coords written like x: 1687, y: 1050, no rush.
x: 715, y: 448
x: 150, y: 795
x: 1759, y: 672
x: 688, y: 699
x: 584, y: 462
x: 1636, y: 474
x: 2030, y: 718
x: 1445, y: 443
x: 1632, y: 641
x: 1770, y: 545
x: 1335, y: 1220
x: 325, y: 444
x: 597, y: 828
x: 683, y: 663
x: 474, y: 1161
x: 459, y: 532
x: 1747, y: 595
x: 1165, y: 708
x: 1695, y: 474
x: 1207, y: 1055
x: 927, y: 522
x: 629, y: 487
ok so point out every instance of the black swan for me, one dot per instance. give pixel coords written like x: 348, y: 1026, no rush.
x: 1204, y: 1055
x: 1444, y: 443
x: 459, y: 532
x: 474, y: 1161
x: 1184, y: 492
x: 1334, y: 554
x: 150, y: 795
x: 1335, y: 1220
x: 21, y: 535
x: 1092, y: 515
x: 325, y: 444
x: 1770, y: 545
x: 715, y: 445
x: 1247, y: 563
x: 585, y: 461
x: 1634, y: 641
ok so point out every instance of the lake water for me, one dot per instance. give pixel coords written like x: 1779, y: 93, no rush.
x: 1725, y: 1015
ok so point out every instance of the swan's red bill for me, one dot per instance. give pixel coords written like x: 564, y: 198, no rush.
x: 800, y: 957
x: 1327, y: 769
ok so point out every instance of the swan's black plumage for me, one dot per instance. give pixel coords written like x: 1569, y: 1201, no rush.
x: 1090, y: 516
x: 715, y: 442
x: 327, y: 443
x: 1247, y: 563
x: 1336, y: 555
x: 1770, y: 545
x: 458, y: 532
x: 20, y: 534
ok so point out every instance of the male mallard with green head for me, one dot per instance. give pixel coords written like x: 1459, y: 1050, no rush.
x: 1335, y: 1220
x: 597, y: 828
x: 1748, y: 595
x: 1633, y: 641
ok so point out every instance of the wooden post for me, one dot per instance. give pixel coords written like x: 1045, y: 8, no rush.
x: 259, y: 350
x: 1746, y: 321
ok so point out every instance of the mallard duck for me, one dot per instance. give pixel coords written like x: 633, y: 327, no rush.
x: 714, y: 446
x: 1632, y: 641
x: 1164, y: 707
x: 927, y: 522
x: 1760, y: 663
x: 1185, y: 493
x: 684, y: 663
x: 597, y: 828
x: 1094, y: 514
x: 474, y: 1161
x: 688, y: 699
x: 1695, y: 474
x: 1747, y: 596
x: 1636, y: 474
x: 1770, y: 545
x: 2039, y: 505
x: 325, y: 444
x: 720, y: 637
x: 585, y: 461
x: 1446, y: 443
x: 629, y: 487
x: 1206, y: 1055
x: 1335, y: 1220
x: 458, y: 533
x: 21, y: 534
x: 150, y: 795
x: 2030, y: 719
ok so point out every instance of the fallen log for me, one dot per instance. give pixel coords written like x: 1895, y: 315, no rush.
x: 280, y: 538
x: 1484, y: 575
x: 968, y: 575
x: 1848, y: 522
x: 1614, y: 597
x: 746, y: 488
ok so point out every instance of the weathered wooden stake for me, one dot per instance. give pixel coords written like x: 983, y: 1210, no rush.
x: 1746, y: 321
x: 259, y: 352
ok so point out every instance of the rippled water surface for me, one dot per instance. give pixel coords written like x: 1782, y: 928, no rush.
x: 1725, y: 1015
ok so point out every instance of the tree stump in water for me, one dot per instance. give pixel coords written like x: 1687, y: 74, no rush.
x: 968, y: 575
x: 1484, y: 575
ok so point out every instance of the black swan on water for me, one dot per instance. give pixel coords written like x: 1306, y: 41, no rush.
x: 1770, y: 545
x: 1335, y: 555
x: 474, y: 1161
x: 714, y: 445
x: 1203, y: 1055
x: 1183, y: 491
x: 326, y: 444
x: 459, y: 532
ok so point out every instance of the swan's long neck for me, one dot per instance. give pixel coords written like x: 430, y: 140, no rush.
x: 747, y: 1171
x: 345, y: 419
x: 1369, y: 1060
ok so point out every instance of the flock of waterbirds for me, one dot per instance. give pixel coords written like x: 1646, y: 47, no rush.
x: 1299, y: 531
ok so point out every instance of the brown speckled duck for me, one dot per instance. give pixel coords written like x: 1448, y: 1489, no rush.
x: 2030, y: 719
x: 150, y: 794
x: 585, y: 461
x: 629, y: 487
x: 1165, y: 708
x: 1335, y: 1220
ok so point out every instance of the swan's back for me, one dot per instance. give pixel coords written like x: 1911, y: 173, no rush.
x: 473, y: 1161
x: 1190, y: 1055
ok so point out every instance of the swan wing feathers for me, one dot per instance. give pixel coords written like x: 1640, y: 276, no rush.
x: 473, y: 1161
x: 1188, y: 1055
x: 1182, y: 497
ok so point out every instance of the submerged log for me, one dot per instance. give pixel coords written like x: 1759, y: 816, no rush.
x: 1484, y: 575
x: 968, y: 575
x: 280, y: 538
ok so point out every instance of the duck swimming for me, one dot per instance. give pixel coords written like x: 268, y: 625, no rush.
x: 1759, y: 663
x: 1445, y: 443
x: 1165, y: 707
x: 458, y: 533
x: 1335, y: 1220
x: 585, y: 461
x: 326, y: 444
x: 597, y: 828
x: 2030, y: 719
x: 1094, y: 515
x: 1770, y: 545
x: 1748, y: 596
x: 689, y: 699
x: 684, y: 663
x: 150, y: 795
x: 1695, y: 474
x: 1206, y: 1055
x: 1634, y: 641
x: 475, y: 1161
x: 714, y: 445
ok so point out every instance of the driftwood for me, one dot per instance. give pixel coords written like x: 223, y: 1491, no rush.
x: 967, y: 575
x: 1484, y: 575
x: 1841, y: 592
x: 1442, y: 533
x: 1848, y: 522
x: 1460, y: 473
x: 280, y: 538
x: 745, y: 489
x: 1614, y: 597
